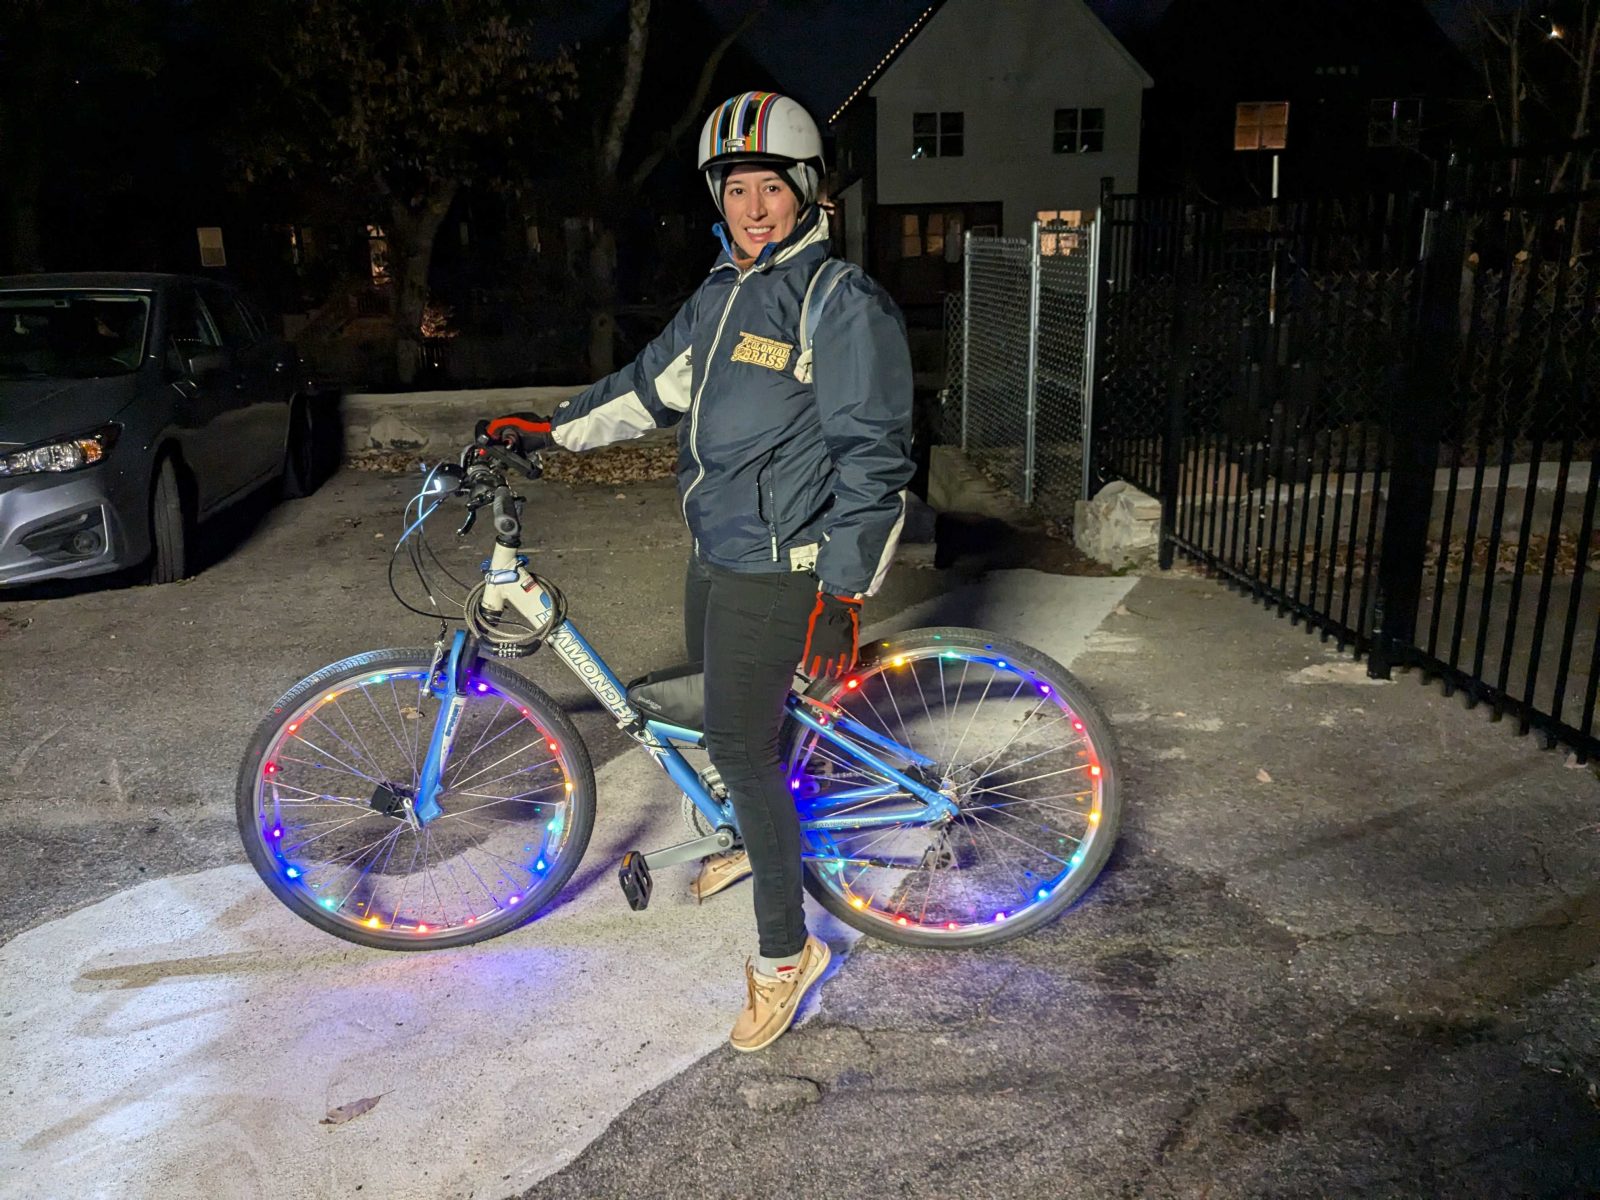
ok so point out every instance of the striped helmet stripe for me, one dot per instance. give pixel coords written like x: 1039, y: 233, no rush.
x: 759, y: 132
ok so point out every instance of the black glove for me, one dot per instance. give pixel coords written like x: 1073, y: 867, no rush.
x: 526, y: 432
x: 833, y: 636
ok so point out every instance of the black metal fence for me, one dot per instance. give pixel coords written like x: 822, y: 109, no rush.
x: 1379, y: 416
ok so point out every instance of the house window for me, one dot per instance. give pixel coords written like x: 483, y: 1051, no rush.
x: 937, y: 134
x: 378, y: 253
x: 911, y: 236
x: 1058, y: 230
x: 1394, y: 123
x: 1079, y: 131
x: 1261, y: 126
x: 931, y: 235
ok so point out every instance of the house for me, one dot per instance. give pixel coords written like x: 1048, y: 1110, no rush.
x: 1347, y: 96
x: 982, y: 117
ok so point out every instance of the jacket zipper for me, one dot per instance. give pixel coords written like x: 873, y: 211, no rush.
x: 694, y: 405
x: 769, y: 502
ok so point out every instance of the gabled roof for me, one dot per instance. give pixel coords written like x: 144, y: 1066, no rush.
x: 921, y: 22
x: 887, y: 60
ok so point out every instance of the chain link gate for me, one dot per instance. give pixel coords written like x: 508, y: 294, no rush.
x: 1021, y: 355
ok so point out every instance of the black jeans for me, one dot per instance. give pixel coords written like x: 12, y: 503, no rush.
x: 750, y: 631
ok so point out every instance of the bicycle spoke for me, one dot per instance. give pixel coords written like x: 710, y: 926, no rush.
x: 384, y: 721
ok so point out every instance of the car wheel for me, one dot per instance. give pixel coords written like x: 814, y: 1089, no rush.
x: 299, y: 465
x: 169, y: 527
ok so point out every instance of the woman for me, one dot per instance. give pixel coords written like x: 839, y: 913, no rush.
x: 790, y: 485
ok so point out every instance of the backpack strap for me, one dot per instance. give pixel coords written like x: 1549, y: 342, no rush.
x: 828, y: 276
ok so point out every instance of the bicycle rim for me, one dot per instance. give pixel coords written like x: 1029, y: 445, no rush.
x: 329, y: 812
x: 1018, y: 748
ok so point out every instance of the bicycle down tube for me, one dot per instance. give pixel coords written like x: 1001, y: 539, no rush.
x: 657, y: 737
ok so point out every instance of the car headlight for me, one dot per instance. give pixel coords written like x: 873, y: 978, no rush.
x: 66, y: 454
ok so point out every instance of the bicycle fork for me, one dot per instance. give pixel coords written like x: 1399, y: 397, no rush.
x: 424, y: 807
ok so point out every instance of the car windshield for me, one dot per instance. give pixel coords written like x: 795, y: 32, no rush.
x: 71, y: 334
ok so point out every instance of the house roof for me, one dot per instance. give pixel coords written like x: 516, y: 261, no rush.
x: 921, y: 22
x: 887, y: 60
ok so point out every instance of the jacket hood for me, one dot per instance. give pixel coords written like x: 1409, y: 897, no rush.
x: 36, y: 410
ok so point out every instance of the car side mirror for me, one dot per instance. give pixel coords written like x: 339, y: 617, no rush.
x: 196, y: 363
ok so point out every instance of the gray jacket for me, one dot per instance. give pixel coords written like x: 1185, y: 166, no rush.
x: 773, y: 474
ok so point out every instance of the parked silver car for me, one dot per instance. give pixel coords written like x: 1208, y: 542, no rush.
x: 133, y: 406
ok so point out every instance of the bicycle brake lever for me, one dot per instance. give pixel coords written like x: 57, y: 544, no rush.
x: 472, y: 516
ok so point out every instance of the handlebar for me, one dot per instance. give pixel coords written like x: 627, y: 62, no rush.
x: 481, y: 477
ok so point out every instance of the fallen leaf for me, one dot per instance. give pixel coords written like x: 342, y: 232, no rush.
x: 1262, y: 776
x: 1120, y: 610
x: 1180, y: 714
x: 349, y: 1112
x: 622, y: 495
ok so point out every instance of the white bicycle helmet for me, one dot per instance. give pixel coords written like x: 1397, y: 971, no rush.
x: 763, y: 128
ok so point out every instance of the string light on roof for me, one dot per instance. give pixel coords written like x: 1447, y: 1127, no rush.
x: 884, y: 61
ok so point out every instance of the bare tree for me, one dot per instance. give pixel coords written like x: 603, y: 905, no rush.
x: 408, y: 104
x: 615, y: 186
x: 1538, y: 66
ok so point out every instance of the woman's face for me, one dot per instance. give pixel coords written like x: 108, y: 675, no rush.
x: 759, y: 207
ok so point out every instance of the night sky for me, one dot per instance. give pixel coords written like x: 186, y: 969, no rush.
x: 820, y: 49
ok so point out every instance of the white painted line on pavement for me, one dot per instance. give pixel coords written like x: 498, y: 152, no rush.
x: 184, y: 1038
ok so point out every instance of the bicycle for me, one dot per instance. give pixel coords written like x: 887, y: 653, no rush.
x: 420, y: 799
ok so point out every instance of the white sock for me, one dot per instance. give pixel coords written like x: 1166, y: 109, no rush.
x: 778, y: 968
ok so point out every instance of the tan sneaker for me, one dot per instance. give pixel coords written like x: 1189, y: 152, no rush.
x: 718, y: 872
x: 770, y: 1004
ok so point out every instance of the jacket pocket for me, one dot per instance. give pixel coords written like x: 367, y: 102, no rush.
x: 767, y: 503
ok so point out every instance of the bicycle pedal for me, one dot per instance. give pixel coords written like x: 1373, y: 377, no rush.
x: 634, y: 875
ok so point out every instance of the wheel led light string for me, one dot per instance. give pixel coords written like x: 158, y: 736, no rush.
x: 272, y: 768
x: 1044, y: 891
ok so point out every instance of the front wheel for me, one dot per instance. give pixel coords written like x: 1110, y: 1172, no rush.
x: 1008, y: 735
x: 327, y: 787
x: 169, y: 526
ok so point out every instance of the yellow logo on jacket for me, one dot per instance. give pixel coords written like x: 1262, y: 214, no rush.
x: 762, y: 352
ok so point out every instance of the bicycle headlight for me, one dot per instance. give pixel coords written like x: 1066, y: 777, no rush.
x: 63, y: 454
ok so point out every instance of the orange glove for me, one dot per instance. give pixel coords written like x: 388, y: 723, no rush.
x: 833, y: 636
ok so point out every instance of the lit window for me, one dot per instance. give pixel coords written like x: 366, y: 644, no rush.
x: 1057, y: 234
x: 1261, y: 126
x: 1079, y: 131
x: 938, y: 134
x: 378, y: 253
x: 910, y: 236
x: 935, y: 238
x: 1394, y: 123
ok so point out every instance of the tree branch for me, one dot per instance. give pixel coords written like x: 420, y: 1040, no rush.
x: 633, y: 71
x: 692, y: 110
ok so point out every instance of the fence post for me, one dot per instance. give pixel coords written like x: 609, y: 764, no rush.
x: 1091, y: 319
x: 1416, y: 422
x: 1029, y: 433
x: 1096, y: 402
x: 966, y: 332
x: 1177, y: 386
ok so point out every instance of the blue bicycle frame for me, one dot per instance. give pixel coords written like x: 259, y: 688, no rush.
x: 660, y: 738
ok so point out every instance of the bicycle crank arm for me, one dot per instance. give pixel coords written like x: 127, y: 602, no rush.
x: 683, y: 852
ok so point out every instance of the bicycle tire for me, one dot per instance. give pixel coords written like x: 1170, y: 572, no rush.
x: 268, y: 768
x: 1056, y: 688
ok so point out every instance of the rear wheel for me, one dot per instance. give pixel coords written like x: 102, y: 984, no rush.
x: 1019, y: 746
x: 169, y: 526
x: 326, y: 788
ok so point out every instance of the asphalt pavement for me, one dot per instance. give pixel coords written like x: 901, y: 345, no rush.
x: 1347, y: 946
